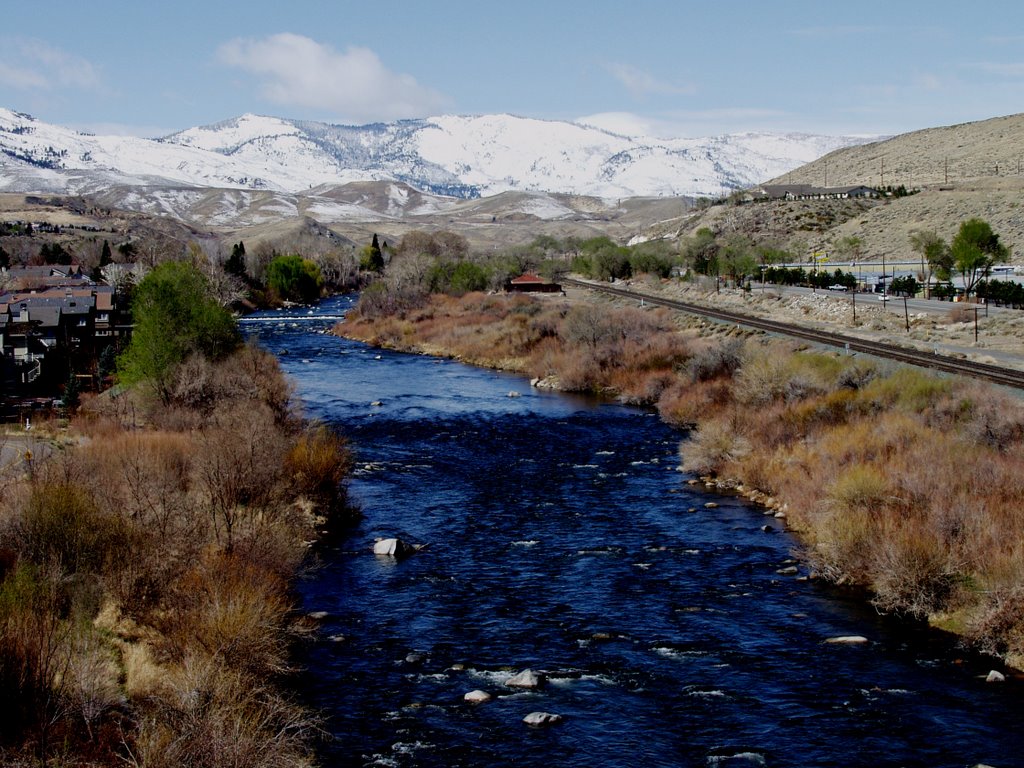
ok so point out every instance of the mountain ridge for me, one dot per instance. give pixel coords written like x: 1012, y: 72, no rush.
x: 450, y: 155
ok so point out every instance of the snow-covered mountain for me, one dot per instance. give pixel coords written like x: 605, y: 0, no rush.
x: 456, y: 156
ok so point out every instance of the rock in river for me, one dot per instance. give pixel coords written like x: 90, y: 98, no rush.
x: 847, y: 640
x: 526, y: 679
x: 537, y: 719
x: 396, y: 548
x: 477, y: 697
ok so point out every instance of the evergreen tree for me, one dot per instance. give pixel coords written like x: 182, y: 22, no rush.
x: 71, y: 392
x: 373, y: 259
x: 106, y: 257
x: 235, y: 265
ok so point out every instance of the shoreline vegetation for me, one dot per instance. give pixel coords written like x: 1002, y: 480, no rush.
x: 147, y: 615
x: 896, y: 480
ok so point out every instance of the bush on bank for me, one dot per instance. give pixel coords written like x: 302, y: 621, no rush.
x: 898, y: 480
x: 146, y: 615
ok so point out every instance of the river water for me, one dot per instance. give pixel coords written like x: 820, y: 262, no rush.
x: 561, y: 537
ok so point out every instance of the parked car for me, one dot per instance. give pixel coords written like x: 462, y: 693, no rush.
x: 838, y: 288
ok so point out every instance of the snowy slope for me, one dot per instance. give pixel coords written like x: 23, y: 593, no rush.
x: 448, y: 155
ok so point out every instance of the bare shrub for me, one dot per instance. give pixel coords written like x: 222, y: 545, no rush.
x: 683, y: 404
x: 578, y: 370
x: 214, y: 717
x: 909, y: 389
x: 991, y: 419
x: 856, y: 376
x: 239, y: 465
x: 714, y: 445
x: 318, y: 462
x: 715, y: 361
x: 35, y: 654
x: 960, y: 314
x: 93, y: 686
x: 911, y: 572
x: 999, y: 626
x: 842, y: 550
x: 860, y: 489
x: 233, y: 611
x: 199, y: 386
x: 64, y: 528
x: 763, y: 377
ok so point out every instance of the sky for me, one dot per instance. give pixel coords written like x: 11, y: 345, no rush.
x: 663, y: 68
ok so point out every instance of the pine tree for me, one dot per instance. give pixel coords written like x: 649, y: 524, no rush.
x: 235, y: 265
x: 373, y: 259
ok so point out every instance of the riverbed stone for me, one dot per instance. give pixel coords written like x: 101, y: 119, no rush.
x: 789, y: 570
x: 847, y: 640
x: 526, y: 679
x: 477, y: 697
x: 538, y: 719
x: 393, y: 547
x: 995, y: 676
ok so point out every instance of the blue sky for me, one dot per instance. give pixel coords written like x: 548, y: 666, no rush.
x: 638, y: 66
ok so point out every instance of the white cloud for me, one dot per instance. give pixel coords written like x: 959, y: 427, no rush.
x: 28, y: 64
x: 124, y: 129
x: 678, y: 124
x: 640, y: 83
x: 353, y: 84
x: 621, y: 123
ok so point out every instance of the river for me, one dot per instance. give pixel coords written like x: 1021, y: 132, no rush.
x: 561, y: 537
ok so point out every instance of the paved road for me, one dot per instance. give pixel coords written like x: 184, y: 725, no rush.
x: 13, y: 448
x: 894, y: 304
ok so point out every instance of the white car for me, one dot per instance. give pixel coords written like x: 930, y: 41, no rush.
x: 884, y: 297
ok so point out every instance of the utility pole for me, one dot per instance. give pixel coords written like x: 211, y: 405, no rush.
x: 906, y: 314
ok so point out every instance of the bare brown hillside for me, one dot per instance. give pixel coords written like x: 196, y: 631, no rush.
x: 983, y: 150
x: 957, y: 172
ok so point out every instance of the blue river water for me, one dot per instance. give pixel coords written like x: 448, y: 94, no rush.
x: 560, y: 536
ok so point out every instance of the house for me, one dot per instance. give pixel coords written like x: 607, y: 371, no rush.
x: 530, y: 283
x: 811, y: 192
x: 45, y: 332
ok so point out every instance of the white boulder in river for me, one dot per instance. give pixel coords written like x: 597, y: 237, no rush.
x: 394, y: 548
x: 525, y: 679
x: 477, y: 697
x: 847, y: 640
x: 537, y: 719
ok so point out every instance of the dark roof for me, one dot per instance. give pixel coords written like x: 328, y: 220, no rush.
x: 48, y: 317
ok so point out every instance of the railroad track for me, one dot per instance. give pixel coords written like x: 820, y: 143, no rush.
x: 993, y: 373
